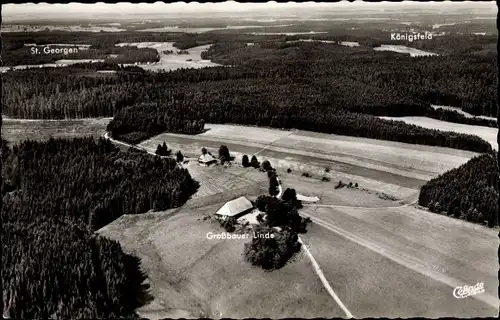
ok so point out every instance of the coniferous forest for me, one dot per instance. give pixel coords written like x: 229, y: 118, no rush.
x: 55, y: 194
x: 469, y: 192
x: 316, y: 86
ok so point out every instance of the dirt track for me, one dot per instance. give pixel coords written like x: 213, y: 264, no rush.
x: 391, y: 260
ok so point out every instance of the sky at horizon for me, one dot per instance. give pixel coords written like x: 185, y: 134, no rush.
x: 13, y: 11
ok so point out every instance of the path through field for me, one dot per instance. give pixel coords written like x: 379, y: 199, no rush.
x: 380, y: 258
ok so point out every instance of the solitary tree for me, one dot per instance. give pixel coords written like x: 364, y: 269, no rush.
x: 254, y: 162
x: 224, y: 153
x: 266, y: 165
x: 289, y: 194
x: 262, y: 202
x: 273, y: 186
x: 245, y: 162
x: 179, y: 156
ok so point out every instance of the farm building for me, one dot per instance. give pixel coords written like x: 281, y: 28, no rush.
x: 206, y: 159
x: 235, y: 208
x: 250, y: 218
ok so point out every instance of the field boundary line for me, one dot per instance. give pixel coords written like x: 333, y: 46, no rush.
x: 325, y: 282
x: 333, y: 206
x: 293, y: 131
x: 403, y: 260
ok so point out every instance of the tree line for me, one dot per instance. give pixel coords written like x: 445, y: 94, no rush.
x: 469, y: 82
x: 143, y: 106
x: 126, y: 54
x: 102, y: 44
x: 325, y: 84
x: 55, y: 194
x: 249, y: 102
x: 469, y: 192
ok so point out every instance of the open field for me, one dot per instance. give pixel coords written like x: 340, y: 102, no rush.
x: 191, y: 276
x: 382, y: 259
x: 404, y: 49
x: 173, y: 61
x: 488, y: 134
x: 167, y: 61
x: 372, y: 285
x: 468, y: 115
x: 397, y: 169
x: 216, y: 179
x: 16, y: 130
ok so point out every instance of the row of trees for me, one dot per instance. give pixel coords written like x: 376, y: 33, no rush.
x: 147, y: 120
x: 163, y: 150
x: 469, y: 192
x: 55, y: 194
x: 250, y: 163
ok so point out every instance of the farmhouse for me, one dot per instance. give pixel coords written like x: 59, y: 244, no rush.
x: 206, y: 159
x: 235, y: 208
x: 251, y: 218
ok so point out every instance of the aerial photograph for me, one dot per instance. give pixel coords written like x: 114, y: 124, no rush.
x: 249, y: 160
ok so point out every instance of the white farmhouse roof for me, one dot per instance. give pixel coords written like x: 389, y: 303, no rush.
x: 235, y: 207
x: 206, y: 158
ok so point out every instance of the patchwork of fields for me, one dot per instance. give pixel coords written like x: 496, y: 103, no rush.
x: 382, y: 257
x: 394, y: 168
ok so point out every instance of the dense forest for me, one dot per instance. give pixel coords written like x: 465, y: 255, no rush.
x: 34, y: 55
x: 470, y: 81
x: 54, y: 195
x: 248, y: 102
x: 17, y: 46
x: 301, y: 98
x: 469, y: 192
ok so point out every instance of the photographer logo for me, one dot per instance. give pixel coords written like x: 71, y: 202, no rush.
x: 465, y: 291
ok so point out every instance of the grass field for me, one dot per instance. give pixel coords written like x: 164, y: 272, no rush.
x: 216, y: 179
x: 382, y: 262
x: 372, y: 285
x: 173, y: 61
x: 383, y: 258
x: 192, y: 276
x: 405, y: 50
x: 17, y: 130
x: 395, y: 168
x: 467, y: 115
